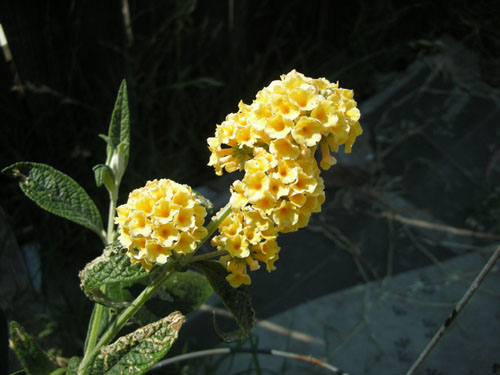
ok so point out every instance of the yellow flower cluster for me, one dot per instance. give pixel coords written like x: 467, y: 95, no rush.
x: 158, y: 219
x: 274, y: 141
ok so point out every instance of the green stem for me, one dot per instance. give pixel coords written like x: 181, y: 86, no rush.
x: 216, y: 220
x: 113, y: 198
x: 205, y: 256
x: 59, y: 371
x: 211, y: 228
x: 99, y: 309
x: 94, y: 328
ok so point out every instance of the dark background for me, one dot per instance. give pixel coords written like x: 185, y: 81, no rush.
x: 188, y: 66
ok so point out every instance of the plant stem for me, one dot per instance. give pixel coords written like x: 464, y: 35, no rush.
x: 254, y: 351
x: 99, y: 309
x: 113, y: 198
x: 211, y: 228
x: 205, y: 256
x: 217, y: 220
x: 456, y: 310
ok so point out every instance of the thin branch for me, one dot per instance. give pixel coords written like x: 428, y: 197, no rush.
x: 456, y: 310
x: 127, y: 23
x: 439, y: 227
x: 274, y: 352
x: 206, y: 256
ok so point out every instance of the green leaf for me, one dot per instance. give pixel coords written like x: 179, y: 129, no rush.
x: 237, y: 300
x: 57, y: 193
x: 187, y: 290
x: 113, y: 266
x: 183, y: 291
x: 137, y: 352
x: 73, y: 365
x: 104, y: 176
x: 119, y: 127
x: 34, y: 360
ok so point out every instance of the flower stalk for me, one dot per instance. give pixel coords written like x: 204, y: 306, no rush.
x: 108, y: 239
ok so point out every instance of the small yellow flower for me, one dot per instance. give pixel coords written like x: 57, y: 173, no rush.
x: 284, y: 148
x: 327, y: 160
x: 163, y: 211
x: 238, y: 198
x: 156, y: 253
x: 298, y: 199
x: 185, y: 219
x: 260, y: 221
x: 307, y: 131
x: 354, y: 132
x: 122, y: 213
x: 259, y: 115
x: 138, y: 224
x: 256, y: 185
x: 313, y: 203
x: 326, y: 114
x: 305, y: 97
x: 281, y: 105
x: 259, y: 164
x: 353, y: 114
x: 266, y: 203
x: 237, y: 246
x: 285, y: 216
x: 287, y: 171
x: 277, y: 188
x: 245, y: 135
x: 238, y: 279
x: 145, y: 204
x: 166, y: 234
x: 293, y: 79
x: 278, y: 127
x: 267, y: 252
x: 252, y: 235
x: 238, y: 273
x: 186, y: 243
x: 305, y: 183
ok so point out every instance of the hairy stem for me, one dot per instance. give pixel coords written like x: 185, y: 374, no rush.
x: 205, y: 256
x: 113, y: 198
x: 217, y: 219
x: 99, y: 309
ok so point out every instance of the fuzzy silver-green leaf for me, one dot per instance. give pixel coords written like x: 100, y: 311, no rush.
x: 119, y: 127
x: 57, y: 193
x: 113, y: 266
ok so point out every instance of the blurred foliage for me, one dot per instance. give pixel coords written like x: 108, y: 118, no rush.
x: 189, y: 65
